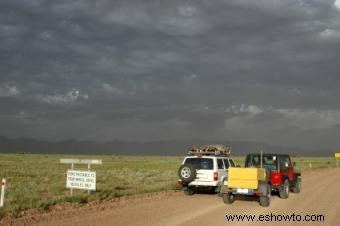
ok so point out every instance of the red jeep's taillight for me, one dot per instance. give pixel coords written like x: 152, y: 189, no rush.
x: 215, y: 176
x: 276, y: 178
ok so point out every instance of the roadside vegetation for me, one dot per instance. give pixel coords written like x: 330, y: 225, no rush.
x: 39, y: 181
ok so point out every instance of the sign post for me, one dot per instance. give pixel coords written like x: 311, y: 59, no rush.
x: 2, y: 196
x: 337, y: 156
x: 81, y: 179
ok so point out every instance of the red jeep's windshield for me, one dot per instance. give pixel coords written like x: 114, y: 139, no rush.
x: 268, y: 161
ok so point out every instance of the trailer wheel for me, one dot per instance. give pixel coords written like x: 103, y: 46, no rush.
x: 265, y: 198
x: 228, y: 198
x: 284, y: 190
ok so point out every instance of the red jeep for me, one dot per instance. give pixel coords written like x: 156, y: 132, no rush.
x: 282, y: 175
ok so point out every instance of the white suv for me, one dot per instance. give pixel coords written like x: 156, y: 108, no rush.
x: 205, y: 167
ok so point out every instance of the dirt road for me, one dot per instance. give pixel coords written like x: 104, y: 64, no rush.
x: 320, y: 195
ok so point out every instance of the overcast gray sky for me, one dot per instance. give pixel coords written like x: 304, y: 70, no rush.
x: 259, y: 70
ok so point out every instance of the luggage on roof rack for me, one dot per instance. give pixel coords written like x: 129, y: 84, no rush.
x: 215, y: 149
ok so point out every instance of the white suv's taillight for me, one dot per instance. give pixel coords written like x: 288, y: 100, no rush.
x: 215, y: 176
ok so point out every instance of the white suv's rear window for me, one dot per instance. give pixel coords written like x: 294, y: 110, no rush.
x: 200, y: 163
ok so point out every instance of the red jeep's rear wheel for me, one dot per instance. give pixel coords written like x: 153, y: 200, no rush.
x: 284, y: 190
x: 297, y: 186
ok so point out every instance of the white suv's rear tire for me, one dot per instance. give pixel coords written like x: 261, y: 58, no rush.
x: 188, y: 191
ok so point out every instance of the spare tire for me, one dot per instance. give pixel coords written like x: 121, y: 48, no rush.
x: 187, y: 173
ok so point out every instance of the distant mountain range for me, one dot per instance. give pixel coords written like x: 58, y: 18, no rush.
x: 170, y: 147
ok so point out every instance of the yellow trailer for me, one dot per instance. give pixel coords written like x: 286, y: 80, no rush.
x: 245, y: 177
x: 247, y: 181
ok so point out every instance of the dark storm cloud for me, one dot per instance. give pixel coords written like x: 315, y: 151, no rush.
x: 102, y: 70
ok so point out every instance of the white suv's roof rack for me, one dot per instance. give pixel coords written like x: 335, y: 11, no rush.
x: 215, y: 150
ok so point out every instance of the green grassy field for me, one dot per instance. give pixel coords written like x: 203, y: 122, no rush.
x: 39, y: 181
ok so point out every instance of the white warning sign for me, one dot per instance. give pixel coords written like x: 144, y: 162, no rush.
x: 80, y: 179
